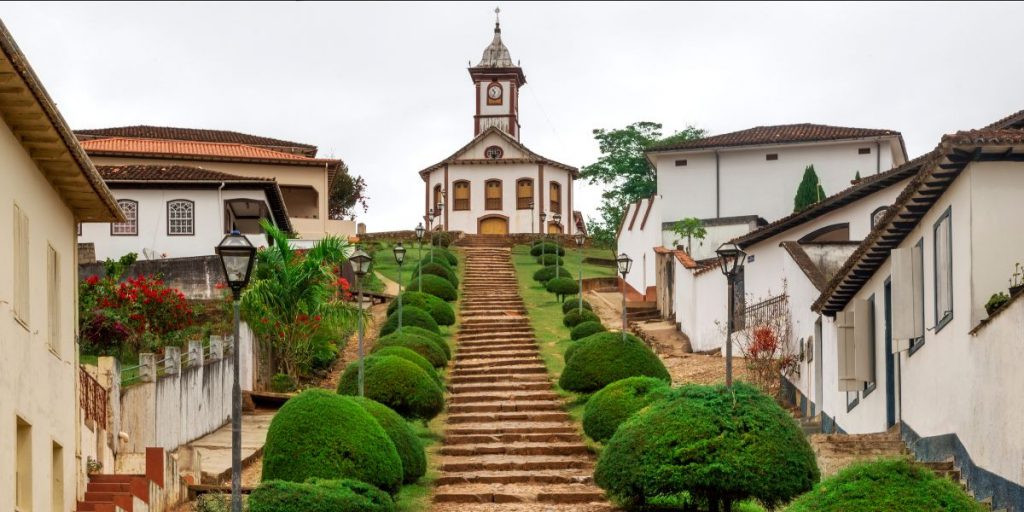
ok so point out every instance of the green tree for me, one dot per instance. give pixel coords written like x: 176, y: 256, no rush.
x: 809, y: 191
x: 347, y: 192
x: 689, y: 228
x: 624, y: 171
x: 295, y: 301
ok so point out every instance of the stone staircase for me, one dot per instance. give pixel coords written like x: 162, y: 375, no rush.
x: 107, y: 493
x: 509, y: 445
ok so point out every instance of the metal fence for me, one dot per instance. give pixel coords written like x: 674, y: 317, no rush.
x: 765, y: 311
x: 93, y: 398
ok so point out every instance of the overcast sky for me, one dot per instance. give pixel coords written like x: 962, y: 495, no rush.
x: 384, y: 86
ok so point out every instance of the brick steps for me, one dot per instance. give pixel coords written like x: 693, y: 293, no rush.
x: 104, y: 493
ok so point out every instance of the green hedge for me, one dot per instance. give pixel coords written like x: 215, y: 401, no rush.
x: 708, y: 444
x: 436, y: 286
x: 440, y: 340
x: 571, y: 305
x: 563, y: 287
x: 440, y: 258
x: 441, y: 253
x: 435, y: 269
x: 616, y: 402
x: 574, y: 317
x: 441, y: 238
x: 546, y: 274
x: 585, y: 329
x: 282, y: 383
x: 548, y: 260
x: 411, y: 316
x: 603, y: 358
x: 396, y: 383
x: 887, y: 485
x: 410, y: 449
x: 440, y: 310
x: 422, y: 345
x: 319, y: 496
x: 549, y: 248
x: 320, y: 434
x: 411, y: 356
x: 570, y: 350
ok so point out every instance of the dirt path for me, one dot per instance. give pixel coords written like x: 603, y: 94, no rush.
x: 350, y: 352
x: 508, y: 444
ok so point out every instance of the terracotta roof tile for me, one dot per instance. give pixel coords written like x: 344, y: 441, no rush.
x: 191, y: 134
x: 176, y: 147
x: 779, y: 134
x: 167, y: 173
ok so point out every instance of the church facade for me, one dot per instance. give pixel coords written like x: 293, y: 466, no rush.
x: 495, y: 184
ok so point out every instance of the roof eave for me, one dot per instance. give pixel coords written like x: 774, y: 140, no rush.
x: 740, y: 147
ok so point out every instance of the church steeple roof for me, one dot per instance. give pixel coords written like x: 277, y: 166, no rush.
x: 496, y: 54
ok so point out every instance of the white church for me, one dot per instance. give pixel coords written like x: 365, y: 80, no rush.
x: 495, y: 184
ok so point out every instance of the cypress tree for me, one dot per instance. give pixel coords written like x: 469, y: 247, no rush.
x: 809, y: 191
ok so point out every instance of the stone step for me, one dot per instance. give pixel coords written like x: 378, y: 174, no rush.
x: 513, y: 352
x: 507, y: 416
x: 497, y: 493
x: 472, y: 398
x: 500, y: 386
x: 506, y: 406
x: 494, y: 362
x: 470, y: 450
x: 519, y: 477
x: 502, y: 370
x: 512, y: 438
x: 505, y: 463
x: 491, y: 336
x: 512, y: 427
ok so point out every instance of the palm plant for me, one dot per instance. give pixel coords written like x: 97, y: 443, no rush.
x: 295, y: 302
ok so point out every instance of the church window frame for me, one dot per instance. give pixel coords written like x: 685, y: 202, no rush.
x: 461, y: 195
x: 524, y: 193
x: 555, y: 197
x: 494, y: 153
x: 492, y: 201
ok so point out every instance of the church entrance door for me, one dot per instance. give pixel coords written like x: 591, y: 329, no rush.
x: 494, y: 226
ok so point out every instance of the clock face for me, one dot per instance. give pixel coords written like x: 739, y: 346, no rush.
x: 494, y: 93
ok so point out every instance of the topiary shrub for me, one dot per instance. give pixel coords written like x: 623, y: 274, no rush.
x: 438, y: 270
x: 570, y: 350
x: 546, y: 274
x: 436, y: 286
x: 422, y: 345
x: 344, y: 495
x: 569, y: 306
x: 282, y: 383
x: 550, y: 259
x: 616, y: 402
x: 411, y: 356
x: 396, y: 383
x: 410, y: 449
x: 441, y: 238
x: 584, y: 329
x: 708, y: 445
x: 604, y: 358
x: 575, y: 317
x: 440, y: 310
x: 438, y: 339
x: 548, y: 248
x: 887, y: 485
x: 320, y: 434
x: 562, y: 287
x: 411, y: 316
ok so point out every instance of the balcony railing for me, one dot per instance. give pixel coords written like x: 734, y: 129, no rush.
x: 492, y: 203
x: 523, y: 203
x: 765, y: 311
x: 556, y: 207
x: 461, y: 204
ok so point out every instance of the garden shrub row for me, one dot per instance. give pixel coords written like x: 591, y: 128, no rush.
x: 546, y: 274
x: 603, y: 358
x: 585, y: 329
x: 575, y: 317
x: 434, y: 285
x: 411, y: 316
x: 571, y: 305
x: 318, y: 495
x: 439, y: 310
x: 396, y: 383
x: 617, y: 402
x: 435, y: 269
x: 546, y: 248
x: 548, y: 260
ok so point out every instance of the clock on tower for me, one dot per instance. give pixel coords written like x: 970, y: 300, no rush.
x: 494, y: 94
x: 497, y: 80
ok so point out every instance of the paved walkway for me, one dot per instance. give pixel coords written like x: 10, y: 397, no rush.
x: 214, y: 449
x: 508, y: 443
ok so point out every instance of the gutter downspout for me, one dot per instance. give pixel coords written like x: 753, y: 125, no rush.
x: 878, y: 156
x: 718, y: 188
x: 220, y: 202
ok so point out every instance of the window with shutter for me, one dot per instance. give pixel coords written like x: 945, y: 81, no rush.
x: 864, y: 341
x: 492, y: 198
x: 555, y: 194
x: 908, y: 297
x: 53, y: 299
x: 943, y: 251
x: 21, y: 264
x: 461, y: 195
x: 845, y: 351
x: 524, y: 194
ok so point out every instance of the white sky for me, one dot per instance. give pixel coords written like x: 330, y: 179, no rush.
x: 384, y: 86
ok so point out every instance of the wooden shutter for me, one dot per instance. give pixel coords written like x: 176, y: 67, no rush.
x: 845, y: 351
x: 864, y: 340
x: 905, y: 315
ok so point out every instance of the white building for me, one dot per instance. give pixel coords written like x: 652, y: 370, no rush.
x: 47, y: 186
x: 907, y: 339
x: 176, y: 211
x: 495, y: 184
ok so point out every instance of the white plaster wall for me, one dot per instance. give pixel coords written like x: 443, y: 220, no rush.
x: 639, y: 243
x: 36, y: 384
x: 152, y: 214
x: 716, y: 236
x: 704, y: 323
x: 997, y: 189
x: 801, y: 295
x: 751, y: 185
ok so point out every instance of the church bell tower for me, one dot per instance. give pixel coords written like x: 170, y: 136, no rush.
x: 497, y: 82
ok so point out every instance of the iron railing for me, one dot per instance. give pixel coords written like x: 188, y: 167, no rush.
x: 765, y: 311
x: 92, y: 398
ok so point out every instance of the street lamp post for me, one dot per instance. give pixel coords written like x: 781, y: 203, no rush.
x: 419, y: 236
x: 557, y: 217
x: 624, y: 263
x: 533, y: 229
x: 237, y: 256
x: 440, y: 223
x: 580, y: 239
x: 360, y: 267
x: 400, y: 258
x: 543, y: 237
x: 732, y: 258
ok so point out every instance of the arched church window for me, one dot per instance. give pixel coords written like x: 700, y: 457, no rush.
x: 556, y: 197
x: 492, y: 189
x: 876, y: 216
x: 524, y: 194
x: 461, y: 196
x: 494, y: 152
x: 438, y: 198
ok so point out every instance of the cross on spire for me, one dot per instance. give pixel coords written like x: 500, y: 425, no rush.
x: 497, y: 15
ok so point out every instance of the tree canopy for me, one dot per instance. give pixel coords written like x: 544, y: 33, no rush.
x: 809, y: 191
x: 347, y: 193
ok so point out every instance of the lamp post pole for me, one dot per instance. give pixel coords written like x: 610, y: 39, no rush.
x: 728, y: 336
x: 533, y: 229
x: 732, y: 259
x: 360, y: 267
x: 400, y: 258
x: 624, y: 263
x: 558, y: 222
x: 543, y: 237
x: 580, y: 239
x: 419, y: 257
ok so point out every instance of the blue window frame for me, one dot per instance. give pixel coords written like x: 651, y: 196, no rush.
x: 870, y: 386
x: 942, y: 234
x: 916, y: 344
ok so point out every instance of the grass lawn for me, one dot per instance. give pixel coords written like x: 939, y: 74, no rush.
x: 384, y: 260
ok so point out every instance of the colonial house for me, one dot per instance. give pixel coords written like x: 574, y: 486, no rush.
x: 907, y: 339
x: 47, y: 186
x: 495, y: 184
x: 304, y: 179
x: 177, y: 211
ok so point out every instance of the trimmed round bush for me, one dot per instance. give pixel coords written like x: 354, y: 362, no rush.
x: 411, y: 356
x: 550, y: 259
x: 604, y: 358
x: 448, y: 255
x: 584, y: 329
x: 410, y: 449
x: 441, y: 238
x: 320, y: 434
x: 887, y: 485
x: 569, y: 306
x: 614, y: 404
x: 570, y: 350
x: 549, y: 248
x: 546, y: 274
x: 436, y: 269
x: 707, y: 444
x: 562, y: 287
x: 318, y: 495
x: 438, y: 339
x: 422, y: 345
x: 396, y: 383
x: 436, y: 286
x: 440, y: 310
x: 440, y: 258
x: 411, y: 316
x: 574, y: 317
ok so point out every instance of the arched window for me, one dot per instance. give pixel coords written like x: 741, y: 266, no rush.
x: 494, y: 152
x: 524, y: 194
x: 461, y: 195
x: 437, y: 197
x: 833, y: 233
x: 876, y: 216
x: 131, y: 214
x: 556, y: 197
x: 181, y: 217
x: 492, y: 190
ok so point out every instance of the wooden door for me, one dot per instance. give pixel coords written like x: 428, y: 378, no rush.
x: 494, y: 226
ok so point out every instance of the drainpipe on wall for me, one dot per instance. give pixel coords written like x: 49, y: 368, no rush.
x: 718, y: 188
x: 878, y: 156
x: 220, y: 204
